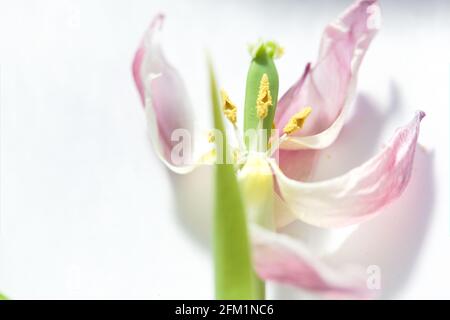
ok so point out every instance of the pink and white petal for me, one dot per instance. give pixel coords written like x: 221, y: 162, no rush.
x: 282, y: 259
x: 162, y: 150
x: 283, y: 215
x: 163, y: 94
x: 359, y: 194
x: 297, y: 164
x: 328, y: 87
x: 321, y: 241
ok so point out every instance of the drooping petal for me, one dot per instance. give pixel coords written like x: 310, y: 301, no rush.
x: 394, y: 241
x: 163, y: 150
x: 163, y: 95
x: 329, y: 85
x: 321, y: 241
x: 359, y: 194
x: 282, y: 259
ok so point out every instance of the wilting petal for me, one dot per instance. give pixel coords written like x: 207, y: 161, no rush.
x: 321, y: 241
x: 297, y: 164
x: 359, y: 194
x: 162, y: 150
x: 282, y: 259
x: 163, y: 94
x: 329, y: 85
x: 283, y: 215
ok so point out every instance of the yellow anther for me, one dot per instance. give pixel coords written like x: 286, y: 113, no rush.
x: 229, y: 108
x: 211, y: 137
x: 297, y: 121
x: 264, y: 100
x: 209, y: 158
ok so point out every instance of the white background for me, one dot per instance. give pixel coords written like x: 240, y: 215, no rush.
x: 87, y: 211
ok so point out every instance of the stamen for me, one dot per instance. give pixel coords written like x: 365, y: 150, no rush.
x: 275, y: 144
x: 297, y: 121
x: 264, y: 100
x: 211, y: 137
x: 229, y: 108
x: 230, y: 112
x: 209, y: 158
x: 235, y: 156
x: 238, y: 137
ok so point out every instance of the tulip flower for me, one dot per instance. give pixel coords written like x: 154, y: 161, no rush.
x: 266, y: 183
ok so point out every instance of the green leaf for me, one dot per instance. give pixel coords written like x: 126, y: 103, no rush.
x: 233, y: 265
x: 261, y: 63
x: 3, y: 297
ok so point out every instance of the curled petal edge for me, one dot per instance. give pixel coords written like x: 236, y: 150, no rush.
x: 163, y: 95
x: 282, y: 259
x: 360, y: 193
x: 362, y: 20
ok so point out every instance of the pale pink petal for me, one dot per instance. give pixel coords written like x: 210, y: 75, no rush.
x: 289, y: 98
x: 162, y: 92
x: 321, y: 241
x: 297, y: 164
x: 282, y: 259
x: 359, y: 194
x: 328, y: 87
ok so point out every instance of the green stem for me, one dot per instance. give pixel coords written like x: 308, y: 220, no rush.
x: 260, y: 288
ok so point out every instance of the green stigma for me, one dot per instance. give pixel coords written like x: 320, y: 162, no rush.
x: 261, y: 93
x: 272, y: 48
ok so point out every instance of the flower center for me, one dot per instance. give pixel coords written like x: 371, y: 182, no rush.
x: 256, y: 182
